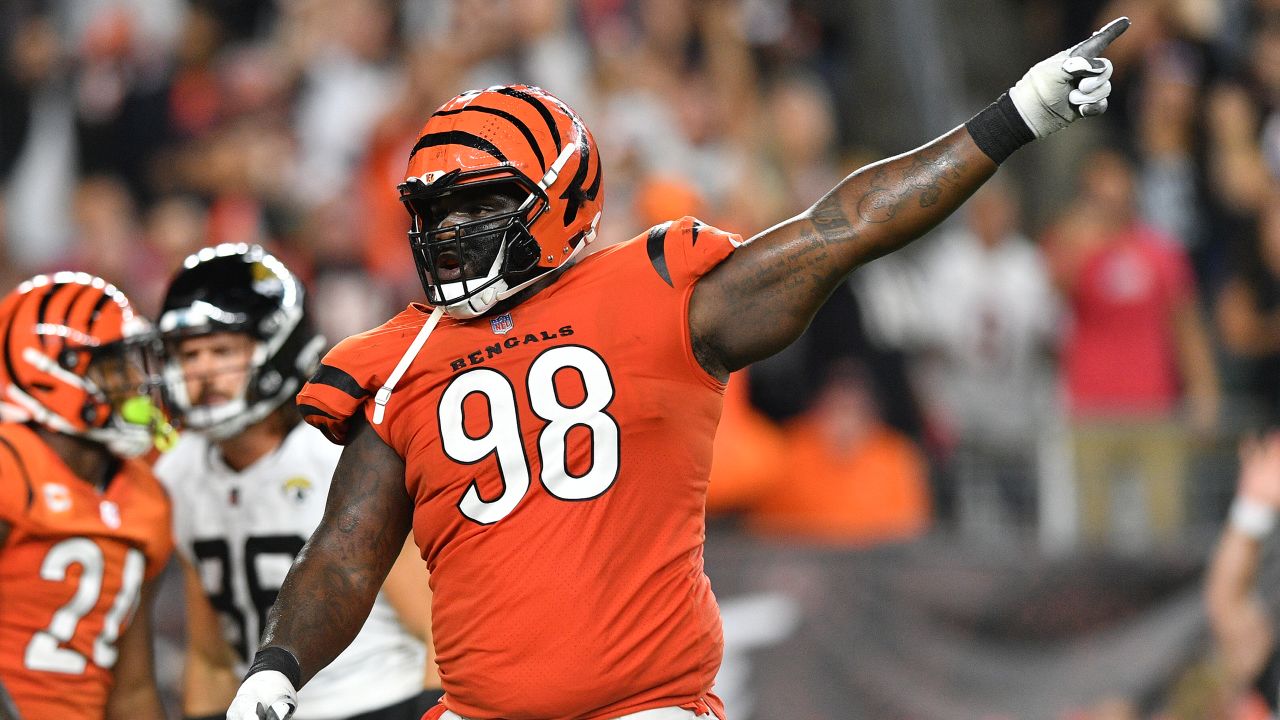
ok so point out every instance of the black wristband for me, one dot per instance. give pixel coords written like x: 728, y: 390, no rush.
x: 999, y: 130
x: 280, y: 660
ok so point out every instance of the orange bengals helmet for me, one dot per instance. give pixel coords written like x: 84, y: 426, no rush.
x: 75, y: 358
x: 517, y: 140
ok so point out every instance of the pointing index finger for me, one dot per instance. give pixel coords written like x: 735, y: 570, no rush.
x: 1099, y: 41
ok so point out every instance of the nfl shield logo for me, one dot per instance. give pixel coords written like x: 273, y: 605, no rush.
x: 502, y: 324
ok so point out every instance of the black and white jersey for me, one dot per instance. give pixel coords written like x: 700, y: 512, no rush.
x: 242, y: 530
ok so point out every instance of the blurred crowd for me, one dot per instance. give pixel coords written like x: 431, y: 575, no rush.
x: 1066, y: 363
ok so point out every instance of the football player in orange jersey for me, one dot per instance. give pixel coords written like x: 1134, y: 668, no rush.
x: 84, y: 526
x: 546, y: 425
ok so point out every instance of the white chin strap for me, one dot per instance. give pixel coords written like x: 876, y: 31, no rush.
x: 477, y: 304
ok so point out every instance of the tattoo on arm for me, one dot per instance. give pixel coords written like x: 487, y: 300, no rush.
x: 332, y: 584
x: 761, y: 298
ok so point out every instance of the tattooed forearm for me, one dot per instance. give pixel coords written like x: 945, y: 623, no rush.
x: 763, y: 297
x: 332, y: 585
x: 889, y: 191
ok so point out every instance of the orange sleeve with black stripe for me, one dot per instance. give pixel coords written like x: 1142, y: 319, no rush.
x: 352, y: 372
x: 686, y: 249
x: 333, y: 396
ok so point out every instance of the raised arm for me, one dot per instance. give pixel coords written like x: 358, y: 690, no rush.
x: 760, y: 299
x: 331, y: 587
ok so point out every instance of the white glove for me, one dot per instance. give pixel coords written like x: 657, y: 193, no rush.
x: 1074, y: 83
x: 264, y: 695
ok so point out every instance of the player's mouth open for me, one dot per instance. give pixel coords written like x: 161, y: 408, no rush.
x: 449, y: 266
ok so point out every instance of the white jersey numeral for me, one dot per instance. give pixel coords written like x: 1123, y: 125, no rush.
x: 504, y: 440
x: 45, y: 651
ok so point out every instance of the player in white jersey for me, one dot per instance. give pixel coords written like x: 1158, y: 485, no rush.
x: 249, y: 482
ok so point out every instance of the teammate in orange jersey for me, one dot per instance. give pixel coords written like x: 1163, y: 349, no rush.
x: 84, y: 526
x: 546, y: 425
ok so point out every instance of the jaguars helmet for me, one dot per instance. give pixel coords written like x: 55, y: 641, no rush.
x: 238, y: 288
x: 519, y: 140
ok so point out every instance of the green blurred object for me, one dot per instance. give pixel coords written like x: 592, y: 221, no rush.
x: 140, y: 410
x: 137, y: 410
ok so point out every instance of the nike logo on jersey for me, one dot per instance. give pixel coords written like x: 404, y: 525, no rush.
x: 515, y: 341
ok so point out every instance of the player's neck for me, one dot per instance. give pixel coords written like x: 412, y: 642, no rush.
x: 258, y: 440
x: 88, y: 460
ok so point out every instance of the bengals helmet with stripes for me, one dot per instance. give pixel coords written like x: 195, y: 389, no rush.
x: 76, y: 359
x: 517, y: 140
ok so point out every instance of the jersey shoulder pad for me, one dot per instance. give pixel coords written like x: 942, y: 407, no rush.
x: 681, y: 251
x: 352, y: 372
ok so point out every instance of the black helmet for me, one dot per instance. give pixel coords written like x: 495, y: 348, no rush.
x: 242, y: 289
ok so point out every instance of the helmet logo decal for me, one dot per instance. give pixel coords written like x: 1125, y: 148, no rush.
x: 574, y: 193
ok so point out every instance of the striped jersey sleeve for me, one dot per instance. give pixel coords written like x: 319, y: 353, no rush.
x: 684, y: 250
x: 351, y: 373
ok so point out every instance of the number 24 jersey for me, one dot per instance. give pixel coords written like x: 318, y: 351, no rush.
x: 557, y: 456
x: 71, y: 574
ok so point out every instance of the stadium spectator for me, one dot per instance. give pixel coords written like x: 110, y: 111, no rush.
x: 850, y: 479
x: 991, y: 329
x: 751, y: 454
x: 1248, y: 313
x: 1136, y: 353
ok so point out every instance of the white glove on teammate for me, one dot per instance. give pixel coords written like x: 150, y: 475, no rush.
x: 264, y: 695
x: 1074, y: 83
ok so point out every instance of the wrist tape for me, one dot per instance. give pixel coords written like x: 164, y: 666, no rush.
x: 999, y: 130
x: 280, y: 660
x: 1252, y: 518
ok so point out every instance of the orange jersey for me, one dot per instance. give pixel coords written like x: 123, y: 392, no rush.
x: 71, y: 572
x: 558, y: 457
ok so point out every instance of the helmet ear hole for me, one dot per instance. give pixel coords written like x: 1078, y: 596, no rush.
x: 68, y: 359
x: 89, y: 413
